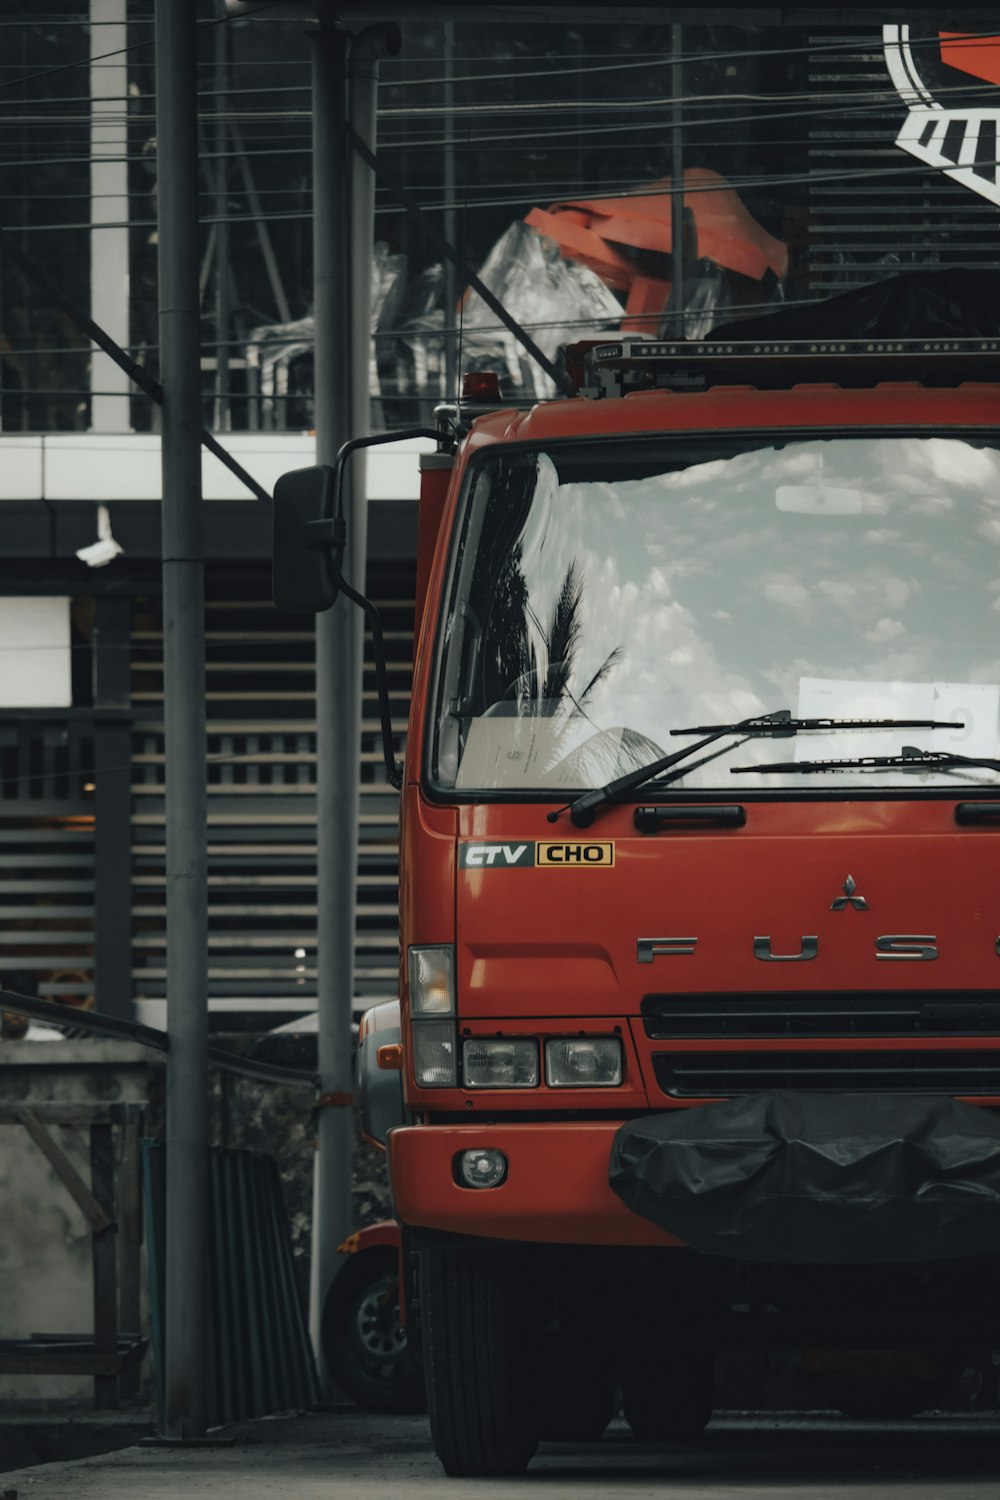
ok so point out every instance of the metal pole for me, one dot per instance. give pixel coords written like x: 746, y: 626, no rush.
x: 109, y: 264
x: 338, y: 687
x: 223, y: 410
x: 451, y: 376
x: 367, y: 50
x: 186, y: 1403
x: 676, y: 314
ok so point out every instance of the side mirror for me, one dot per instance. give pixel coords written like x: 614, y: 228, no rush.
x: 302, y: 571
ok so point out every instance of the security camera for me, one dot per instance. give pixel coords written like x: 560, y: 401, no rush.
x: 98, y: 554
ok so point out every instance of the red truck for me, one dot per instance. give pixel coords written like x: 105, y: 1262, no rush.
x: 699, y: 1032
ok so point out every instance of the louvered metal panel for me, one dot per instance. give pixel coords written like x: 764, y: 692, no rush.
x: 873, y: 210
x: 261, y: 807
x: 47, y: 899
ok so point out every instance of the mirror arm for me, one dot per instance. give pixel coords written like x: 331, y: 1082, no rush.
x: 393, y: 769
x: 404, y: 434
x: 331, y: 532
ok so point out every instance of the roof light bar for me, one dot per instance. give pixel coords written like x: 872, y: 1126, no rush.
x: 630, y: 365
x: 642, y: 353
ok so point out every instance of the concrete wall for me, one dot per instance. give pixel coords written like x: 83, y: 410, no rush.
x: 45, y: 1244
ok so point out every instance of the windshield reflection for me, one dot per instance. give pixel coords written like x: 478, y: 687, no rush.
x: 599, y: 601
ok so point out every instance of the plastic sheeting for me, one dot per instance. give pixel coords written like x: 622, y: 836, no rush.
x: 557, y: 300
x: 818, y: 1179
x: 913, y: 304
x: 272, y: 348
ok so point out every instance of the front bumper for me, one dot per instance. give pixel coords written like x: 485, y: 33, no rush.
x: 556, y: 1190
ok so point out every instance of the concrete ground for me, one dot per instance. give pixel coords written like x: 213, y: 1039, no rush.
x: 44, y: 1432
x: 359, y: 1456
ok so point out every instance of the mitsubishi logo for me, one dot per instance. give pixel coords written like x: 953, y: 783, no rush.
x: 849, y: 898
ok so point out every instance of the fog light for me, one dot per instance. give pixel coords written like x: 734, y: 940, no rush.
x: 500, y: 1062
x: 583, y: 1062
x: 484, y: 1168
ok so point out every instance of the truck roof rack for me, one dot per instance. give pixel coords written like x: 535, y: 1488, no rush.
x: 616, y: 369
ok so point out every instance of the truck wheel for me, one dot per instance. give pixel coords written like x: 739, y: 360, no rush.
x: 669, y: 1405
x: 363, y: 1340
x: 479, y: 1359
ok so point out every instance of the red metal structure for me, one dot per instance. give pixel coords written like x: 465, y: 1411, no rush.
x: 625, y: 240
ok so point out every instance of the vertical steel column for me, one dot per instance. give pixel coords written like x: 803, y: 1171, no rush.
x: 338, y: 685
x: 223, y: 318
x: 109, y: 261
x: 113, y: 807
x: 186, y: 1387
x: 367, y: 50
x: 452, y: 374
x: 676, y: 311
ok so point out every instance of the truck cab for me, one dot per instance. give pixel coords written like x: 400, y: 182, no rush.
x: 700, y: 1036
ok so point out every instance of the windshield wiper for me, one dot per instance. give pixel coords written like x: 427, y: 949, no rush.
x: 776, y: 724
x: 911, y: 759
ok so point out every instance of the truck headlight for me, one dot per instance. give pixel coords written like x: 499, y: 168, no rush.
x: 500, y: 1062
x: 583, y: 1062
x: 434, y: 1062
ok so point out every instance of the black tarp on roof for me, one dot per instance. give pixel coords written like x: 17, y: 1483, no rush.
x: 915, y: 304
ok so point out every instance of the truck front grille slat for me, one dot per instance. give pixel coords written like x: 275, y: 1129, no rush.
x: 832, y: 1014
x: 722, y: 1074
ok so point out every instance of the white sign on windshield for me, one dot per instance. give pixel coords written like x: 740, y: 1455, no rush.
x: 976, y: 705
x: 524, y: 750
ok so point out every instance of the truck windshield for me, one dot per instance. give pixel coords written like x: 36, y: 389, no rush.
x: 602, y: 595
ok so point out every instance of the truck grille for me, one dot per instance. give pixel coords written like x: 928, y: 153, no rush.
x: 830, y: 1014
x: 721, y: 1074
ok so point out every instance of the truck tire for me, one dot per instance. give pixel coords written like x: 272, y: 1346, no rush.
x: 364, y: 1343
x: 479, y: 1359
x: 669, y: 1404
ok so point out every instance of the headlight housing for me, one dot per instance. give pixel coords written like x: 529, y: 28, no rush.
x: 432, y: 1016
x: 432, y: 980
x: 434, y: 1053
x: 583, y: 1062
x: 500, y: 1062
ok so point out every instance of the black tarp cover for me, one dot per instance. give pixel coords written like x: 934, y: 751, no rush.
x: 914, y: 304
x: 818, y: 1179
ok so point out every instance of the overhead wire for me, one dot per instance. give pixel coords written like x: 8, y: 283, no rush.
x: 850, y: 44
x: 974, y: 39
x: 731, y: 183
x: 90, y: 62
x: 886, y: 101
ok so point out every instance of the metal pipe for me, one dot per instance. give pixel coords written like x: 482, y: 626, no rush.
x: 186, y: 1403
x: 338, y: 728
